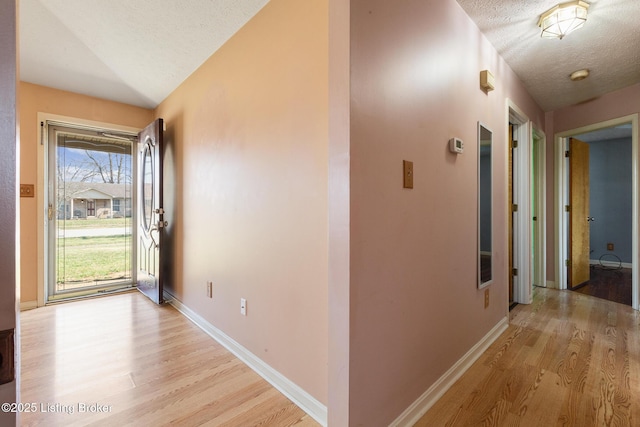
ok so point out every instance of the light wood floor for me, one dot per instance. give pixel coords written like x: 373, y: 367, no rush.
x: 149, y: 365
x: 566, y: 360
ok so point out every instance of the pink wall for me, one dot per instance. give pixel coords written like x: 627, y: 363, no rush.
x: 9, y: 212
x: 613, y: 105
x: 249, y: 131
x: 415, y: 306
x: 616, y: 104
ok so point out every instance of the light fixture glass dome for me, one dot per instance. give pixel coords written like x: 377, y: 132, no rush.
x: 563, y: 19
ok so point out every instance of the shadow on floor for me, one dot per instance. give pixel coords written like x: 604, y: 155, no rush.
x: 607, y: 283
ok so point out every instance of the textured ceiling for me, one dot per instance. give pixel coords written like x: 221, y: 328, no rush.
x: 132, y: 51
x: 608, y: 45
x: 139, y: 51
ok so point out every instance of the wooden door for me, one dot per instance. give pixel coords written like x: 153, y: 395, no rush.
x: 578, y: 213
x: 150, y: 221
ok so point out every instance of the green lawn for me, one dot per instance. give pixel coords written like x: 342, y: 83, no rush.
x: 88, y: 259
x: 94, y: 223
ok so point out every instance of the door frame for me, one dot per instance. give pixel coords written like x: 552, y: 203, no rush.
x: 522, y: 227
x: 561, y: 185
x: 42, y: 192
x: 539, y: 182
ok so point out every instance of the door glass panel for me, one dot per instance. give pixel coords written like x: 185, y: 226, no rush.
x: 90, y: 195
x: 147, y: 187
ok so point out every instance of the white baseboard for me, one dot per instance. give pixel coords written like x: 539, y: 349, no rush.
x: 297, y: 395
x: 613, y: 264
x: 28, y: 305
x: 420, y: 407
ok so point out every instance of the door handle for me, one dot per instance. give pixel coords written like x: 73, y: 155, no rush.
x: 151, y: 230
x: 161, y: 223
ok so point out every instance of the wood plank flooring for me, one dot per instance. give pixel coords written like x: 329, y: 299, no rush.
x: 566, y: 360
x: 610, y: 284
x: 130, y: 362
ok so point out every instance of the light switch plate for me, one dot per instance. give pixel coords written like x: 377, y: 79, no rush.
x: 407, y: 167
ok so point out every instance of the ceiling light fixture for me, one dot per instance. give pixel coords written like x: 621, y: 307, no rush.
x: 562, y: 19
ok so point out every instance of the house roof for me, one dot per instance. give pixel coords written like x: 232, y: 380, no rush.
x: 82, y: 190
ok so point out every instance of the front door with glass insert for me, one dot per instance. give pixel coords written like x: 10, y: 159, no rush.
x: 150, y: 216
x: 90, y: 219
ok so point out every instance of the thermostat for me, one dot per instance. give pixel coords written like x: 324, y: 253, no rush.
x: 456, y: 145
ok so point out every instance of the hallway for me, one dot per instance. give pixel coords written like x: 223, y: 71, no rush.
x: 567, y: 359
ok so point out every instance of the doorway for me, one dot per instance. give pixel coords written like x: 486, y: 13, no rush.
x: 89, y: 201
x: 526, y: 201
x: 620, y: 236
x: 601, y: 246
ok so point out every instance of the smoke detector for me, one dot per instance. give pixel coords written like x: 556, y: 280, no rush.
x: 579, y: 75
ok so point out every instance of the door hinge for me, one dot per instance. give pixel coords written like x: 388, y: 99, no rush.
x: 567, y: 208
x: 567, y: 263
x: 566, y: 153
x: 514, y: 272
x: 50, y: 212
x: 514, y: 208
x: 514, y: 144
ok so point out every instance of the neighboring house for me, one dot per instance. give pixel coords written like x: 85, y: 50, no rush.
x: 81, y: 200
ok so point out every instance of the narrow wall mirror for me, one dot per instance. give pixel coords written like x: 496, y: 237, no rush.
x: 485, y: 197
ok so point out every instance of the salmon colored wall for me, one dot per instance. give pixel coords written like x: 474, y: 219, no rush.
x: 415, y: 306
x: 36, y: 99
x: 613, y: 105
x: 249, y: 137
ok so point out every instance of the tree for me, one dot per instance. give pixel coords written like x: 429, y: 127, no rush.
x: 81, y: 165
x: 112, y: 168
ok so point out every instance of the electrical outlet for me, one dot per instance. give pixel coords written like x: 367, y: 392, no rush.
x: 243, y: 306
x: 210, y: 289
x: 609, y: 246
x: 486, y: 298
x: 27, y: 190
